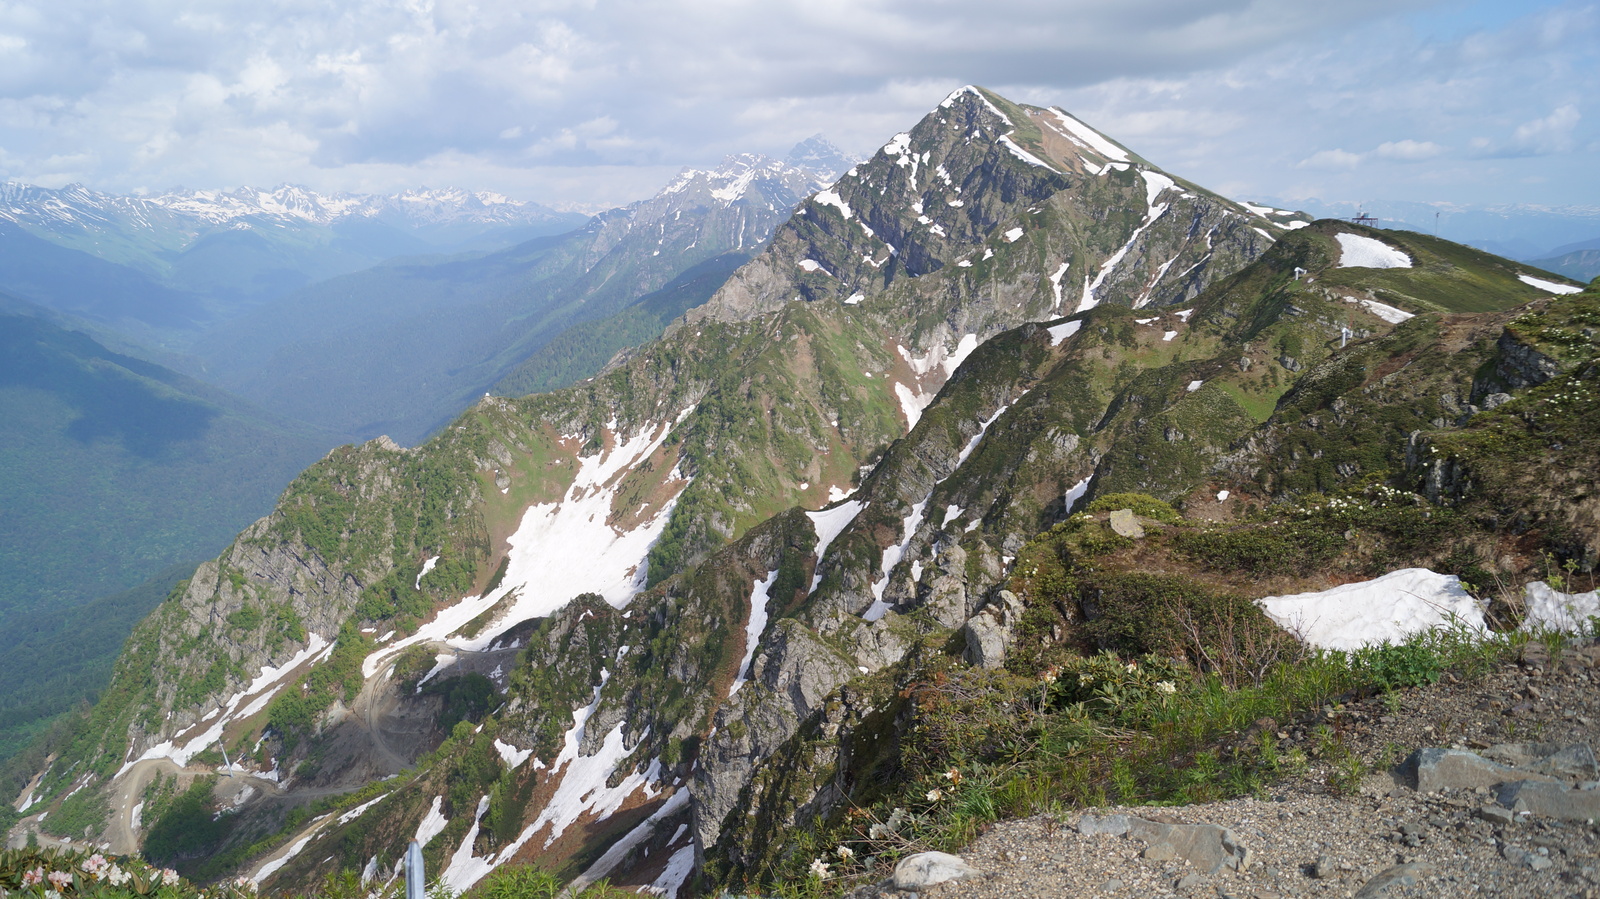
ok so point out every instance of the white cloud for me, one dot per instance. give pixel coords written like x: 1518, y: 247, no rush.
x: 1331, y: 159
x: 1551, y: 134
x: 556, y: 97
x: 1408, y: 150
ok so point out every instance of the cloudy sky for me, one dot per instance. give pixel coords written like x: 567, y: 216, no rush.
x: 591, y: 103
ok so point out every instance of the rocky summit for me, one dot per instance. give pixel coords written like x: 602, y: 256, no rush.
x: 1013, y: 476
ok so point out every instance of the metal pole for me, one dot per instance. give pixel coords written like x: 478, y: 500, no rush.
x: 226, y: 765
x: 415, y: 884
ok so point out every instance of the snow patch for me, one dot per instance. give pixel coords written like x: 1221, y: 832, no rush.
x: 562, y: 549
x: 1024, y: 155
x: 672, y: 878
x: 1013, y: 235
x: 911, y: 403
x: 427, y: 567
x: 1055, y: 284
x: 1551, y: 609
x: 1360, y: 251
x: 432, y: 823
x: 753, y: 629
x: 829, y: 198
x: 1194, y: 385
x: 631, y: 840
x: 1083, y: 135
x: 854, y: 299
x: 969, y: 89
x: 511, y: 755
x: 583, y: 786
x: 263, y: 688
x: 1154, y: 184
x: 829, y: 523
x: 1168, y: 336
x: 1548, y: 286
x: 1382, y: 310
x: 1222, y: 495
x: 812, y: 265
x: 892, y: 557
x: 271, y: 868
x: 1388, y: 609
x: 1263, y: 211
x: 355, y: 813
x: 951, y: 513
x: 1089, y: 300
x: 1076, y: 492
x: 464, y: 870
x: 1062, y: 331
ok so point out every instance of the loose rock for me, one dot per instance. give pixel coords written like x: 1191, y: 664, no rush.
x: 925, y: 869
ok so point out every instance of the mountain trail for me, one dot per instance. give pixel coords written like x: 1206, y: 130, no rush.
x: 1312, y: 836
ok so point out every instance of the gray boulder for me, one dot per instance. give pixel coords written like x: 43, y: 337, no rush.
x: 988, y: 632
x: 916, y: 873
x: 1550, y: 800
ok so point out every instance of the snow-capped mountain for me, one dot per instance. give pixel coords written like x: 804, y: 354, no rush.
x: 76, y: 204
x: 698, y: 592
x: 821, y: 156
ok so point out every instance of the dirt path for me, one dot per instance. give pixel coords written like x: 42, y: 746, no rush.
x: 121, y: 834
x: 391, y: 737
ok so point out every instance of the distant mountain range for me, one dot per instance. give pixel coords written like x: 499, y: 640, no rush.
x: 172, y: 361
x: 1516, y: 230
x: 401, y: 348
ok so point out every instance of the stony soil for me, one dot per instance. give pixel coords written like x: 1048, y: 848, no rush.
x: 1313, y: 836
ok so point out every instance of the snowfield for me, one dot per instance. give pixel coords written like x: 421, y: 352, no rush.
x: 1359, y: 251
x: 563, y: 549
x: 1388, y: 609
x: 1548, y: 286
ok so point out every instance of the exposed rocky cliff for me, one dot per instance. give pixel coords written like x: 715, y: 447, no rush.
x: 675, y: 612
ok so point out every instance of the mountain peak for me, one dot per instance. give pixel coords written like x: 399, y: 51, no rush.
x: 741, y: 173
x: 819, y: 155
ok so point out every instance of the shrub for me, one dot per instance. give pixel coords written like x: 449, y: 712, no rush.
x: 1140, y: 503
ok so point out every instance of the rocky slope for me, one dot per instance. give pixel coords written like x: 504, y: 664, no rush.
x: 660, y: 619
x: 1389, y: 834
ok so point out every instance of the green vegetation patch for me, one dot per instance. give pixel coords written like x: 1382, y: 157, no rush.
x: 190, y: 830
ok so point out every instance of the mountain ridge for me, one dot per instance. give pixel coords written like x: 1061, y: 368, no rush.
x: 721, y: 558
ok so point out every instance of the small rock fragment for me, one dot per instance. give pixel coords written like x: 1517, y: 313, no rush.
x: 1494, y: 814
x: 1407, y: 875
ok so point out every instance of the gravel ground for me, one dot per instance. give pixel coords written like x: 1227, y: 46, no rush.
x: 1307, y: 839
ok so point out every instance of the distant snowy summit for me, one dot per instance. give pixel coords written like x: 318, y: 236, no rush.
x: 76, y: 205
x: 819, y: 155
x: 813, y: 164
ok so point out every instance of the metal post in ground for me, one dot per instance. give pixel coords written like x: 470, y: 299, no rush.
x: 415, y: 884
